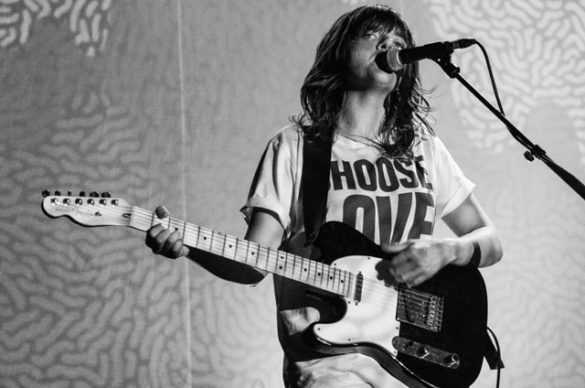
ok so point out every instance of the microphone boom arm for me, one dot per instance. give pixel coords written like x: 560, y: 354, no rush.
x: 534, y: 150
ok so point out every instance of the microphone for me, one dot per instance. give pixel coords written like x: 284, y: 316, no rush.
x: 395, y: 59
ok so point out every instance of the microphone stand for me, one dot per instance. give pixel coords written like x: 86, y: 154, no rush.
x: 534, y: 150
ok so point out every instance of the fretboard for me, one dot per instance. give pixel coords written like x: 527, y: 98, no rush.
x: 322, y: 276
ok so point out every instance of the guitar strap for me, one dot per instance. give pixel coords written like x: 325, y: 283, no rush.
x: 315, y: 185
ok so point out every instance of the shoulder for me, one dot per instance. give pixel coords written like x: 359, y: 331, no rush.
x: 288, y: 135
x: 431, y: 144
x: 288, y: 139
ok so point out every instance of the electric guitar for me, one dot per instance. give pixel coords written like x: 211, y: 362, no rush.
x: 433, y: 335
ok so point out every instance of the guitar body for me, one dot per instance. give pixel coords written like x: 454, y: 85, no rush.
x: 393, y: 330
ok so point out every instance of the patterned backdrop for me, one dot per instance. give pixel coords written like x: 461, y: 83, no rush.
x: 171, y: 102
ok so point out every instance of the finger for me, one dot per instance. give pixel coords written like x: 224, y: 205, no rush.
x: 151, y: 235
x: 162, y: 212
x: 178, y: 249
x: 400, y: 259
x: 157, y: 243
x: 407, y: 268
x: 155, y: 230
x: 416, y: 280
x: 396, y: 247
x: 169, y: 243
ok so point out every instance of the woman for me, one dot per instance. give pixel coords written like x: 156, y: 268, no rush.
x: 390, y: 178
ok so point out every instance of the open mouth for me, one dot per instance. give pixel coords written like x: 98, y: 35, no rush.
x: 382, y: 62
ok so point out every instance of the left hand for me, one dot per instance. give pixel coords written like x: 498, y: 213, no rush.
x: 416, y: 261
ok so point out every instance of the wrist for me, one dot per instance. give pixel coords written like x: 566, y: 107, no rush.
x: 467, y: 253
x: 475, y: 258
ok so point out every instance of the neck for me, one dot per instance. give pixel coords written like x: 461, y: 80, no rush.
x: 361, y: 114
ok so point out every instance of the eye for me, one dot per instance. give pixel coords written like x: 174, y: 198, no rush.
x: 372, y: 35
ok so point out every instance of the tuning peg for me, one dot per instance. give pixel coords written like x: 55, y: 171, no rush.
x: 46, y: 193
x: 82, y: 193
x: 57, y: 193
x: 106, y: 195
x: 94, y: 194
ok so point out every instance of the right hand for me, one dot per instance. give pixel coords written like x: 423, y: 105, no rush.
x: 163, y: 241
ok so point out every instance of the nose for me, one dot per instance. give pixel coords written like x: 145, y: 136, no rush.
x: 384, y: 44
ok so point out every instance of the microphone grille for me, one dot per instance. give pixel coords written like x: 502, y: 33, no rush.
x: 393, y: 58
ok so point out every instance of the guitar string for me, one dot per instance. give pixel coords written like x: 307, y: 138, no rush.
x: 412, y: 298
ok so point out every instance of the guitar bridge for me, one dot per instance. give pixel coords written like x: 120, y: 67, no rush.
x: 420, y: 309
x: 426, y: 353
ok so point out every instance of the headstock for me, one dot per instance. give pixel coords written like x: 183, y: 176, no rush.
x: 89, y: 210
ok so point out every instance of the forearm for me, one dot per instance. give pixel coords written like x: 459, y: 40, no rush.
x: 226, y: 269
x: 484, y: 242
x: 265, y: 230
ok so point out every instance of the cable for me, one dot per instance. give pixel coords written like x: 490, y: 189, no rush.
x: 499, y: 367
x: 492, y: 79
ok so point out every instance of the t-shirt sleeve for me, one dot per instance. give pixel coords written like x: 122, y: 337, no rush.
x: 452, y: 184
x: 273, y: 186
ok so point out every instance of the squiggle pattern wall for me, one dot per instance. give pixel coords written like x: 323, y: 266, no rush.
x: 88, y: 21
x: 143, y: 97
x: 537, y: 49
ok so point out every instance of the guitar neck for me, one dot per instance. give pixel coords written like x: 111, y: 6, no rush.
x: 284, y: 264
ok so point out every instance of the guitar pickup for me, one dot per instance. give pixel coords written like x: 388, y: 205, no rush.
x: 427, y: 353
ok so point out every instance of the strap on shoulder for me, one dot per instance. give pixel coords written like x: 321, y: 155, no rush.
x: 315, y: 184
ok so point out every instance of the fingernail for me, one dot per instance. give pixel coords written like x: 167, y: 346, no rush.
x: 161, y: 212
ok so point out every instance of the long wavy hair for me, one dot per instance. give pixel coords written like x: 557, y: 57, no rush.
x: 323, y: 91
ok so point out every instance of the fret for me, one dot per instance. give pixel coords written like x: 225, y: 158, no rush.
x: 184, y: 229
x: 211, y: 241
x: 327, y: 285
x: 197, y: 237
x: 223, y: 245
x: 246, y: 254
x: 283, y: 258
x: 230, y: 248
x: 314, y: 273
x: 280, y: 263
x: 344, y: 283
x: 254, y: 253
x: 293, y: 266
x: 267, y: 261
x: 204, y: 241
x: 304, y: 270
x: 339, y: 282
x: 216, y: 244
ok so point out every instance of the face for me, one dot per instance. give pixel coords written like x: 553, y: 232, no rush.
x: 362, y: 72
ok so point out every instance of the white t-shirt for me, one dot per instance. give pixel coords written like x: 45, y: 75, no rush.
x: 384, y: 199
